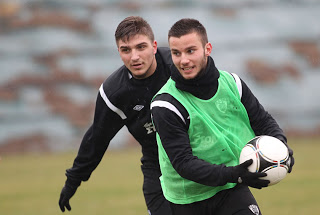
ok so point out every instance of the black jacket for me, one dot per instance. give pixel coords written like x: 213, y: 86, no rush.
x: 122, y: 101
x: 174, y: 132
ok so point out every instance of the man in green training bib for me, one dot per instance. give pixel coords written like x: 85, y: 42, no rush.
x: 203, y: 117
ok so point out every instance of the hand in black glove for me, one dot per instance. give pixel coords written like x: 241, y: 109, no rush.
x: 290, y: 162
x: 248, y: 178
x: 67, y: 192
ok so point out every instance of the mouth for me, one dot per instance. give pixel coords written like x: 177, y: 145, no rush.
x: 187, y: 69
x: 137, y: 65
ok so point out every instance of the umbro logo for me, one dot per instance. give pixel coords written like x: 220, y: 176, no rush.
x: 138, y: 107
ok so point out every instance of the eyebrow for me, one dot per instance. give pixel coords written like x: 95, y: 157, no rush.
x: 123, y: 47
x: 139, y: 44
x: 189, y: 47
x: 143, y: 43
x: 174, y: 50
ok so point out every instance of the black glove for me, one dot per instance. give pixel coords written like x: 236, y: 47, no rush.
x: 290, y: 161
x: 67, y: 192
x: 242, y: 175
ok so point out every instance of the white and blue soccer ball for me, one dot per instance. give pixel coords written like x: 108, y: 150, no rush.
x: 269, y: 155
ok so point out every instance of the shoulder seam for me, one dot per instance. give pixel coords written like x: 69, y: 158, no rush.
x: 238, y: 82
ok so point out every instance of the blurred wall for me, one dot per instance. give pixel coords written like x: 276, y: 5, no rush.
x: 54, y: 55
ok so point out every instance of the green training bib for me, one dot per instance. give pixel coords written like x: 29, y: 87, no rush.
x: 219, y: 128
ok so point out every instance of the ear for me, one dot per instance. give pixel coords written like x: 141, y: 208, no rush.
x: 155, y: 46
x: 207, y: 49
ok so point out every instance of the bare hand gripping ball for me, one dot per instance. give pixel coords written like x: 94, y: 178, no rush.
x: 269, y: 155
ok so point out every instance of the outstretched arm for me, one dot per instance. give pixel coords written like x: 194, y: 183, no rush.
x: 94, y: 144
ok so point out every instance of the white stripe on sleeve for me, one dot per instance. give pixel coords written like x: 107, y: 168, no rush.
x: 110, y: 105
x: 169, y: 106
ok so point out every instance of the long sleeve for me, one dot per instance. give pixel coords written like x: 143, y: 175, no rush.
x: 261, y: 121
x: 175, y: 140
x: 173, y: 131
x: 95, y: 141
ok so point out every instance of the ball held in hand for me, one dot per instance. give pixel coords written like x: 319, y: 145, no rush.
x: 269, y: 155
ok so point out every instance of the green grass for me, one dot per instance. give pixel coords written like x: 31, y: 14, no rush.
x: 31, y: 184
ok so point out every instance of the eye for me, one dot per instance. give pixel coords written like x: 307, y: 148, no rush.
x: 175, y: 53
x: 141, y: 46
x: 190, y: 51
x: 124, y: 50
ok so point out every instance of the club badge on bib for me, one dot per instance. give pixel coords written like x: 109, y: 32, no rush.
x: 254, y: 209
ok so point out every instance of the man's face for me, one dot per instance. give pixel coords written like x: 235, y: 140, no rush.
x: 189, y: 55
x: 138, y: 55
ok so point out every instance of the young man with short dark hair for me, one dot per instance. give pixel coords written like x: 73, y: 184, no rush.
x: 124, y: 100
x: 203, y: 117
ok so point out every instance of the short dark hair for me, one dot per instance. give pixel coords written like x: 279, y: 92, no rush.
x: 132, y: 26
x: 187, y: 26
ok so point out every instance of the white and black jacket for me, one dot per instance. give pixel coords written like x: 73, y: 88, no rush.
x: 173, y: 124
x: 122, y: 101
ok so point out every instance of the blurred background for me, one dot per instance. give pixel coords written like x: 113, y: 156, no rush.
x: 54, y: 55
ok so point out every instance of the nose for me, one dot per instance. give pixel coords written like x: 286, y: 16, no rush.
x: 135, y: 55
x: 184, y: 59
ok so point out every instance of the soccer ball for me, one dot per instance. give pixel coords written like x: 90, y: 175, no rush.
x: 269, y: 155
